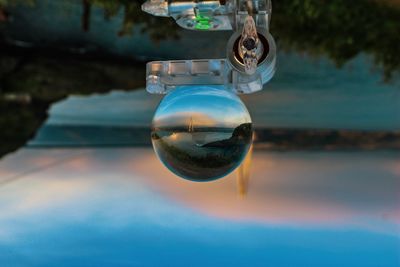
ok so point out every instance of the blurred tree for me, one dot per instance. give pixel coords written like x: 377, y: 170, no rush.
x: 30, y: 81
x: 157, y: 28
x: 19, y: 122
x: 340, y: 29
x: 5, y: 3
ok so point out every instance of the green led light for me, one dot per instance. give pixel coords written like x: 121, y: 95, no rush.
x: 202, y: 27
x: 202, y: 23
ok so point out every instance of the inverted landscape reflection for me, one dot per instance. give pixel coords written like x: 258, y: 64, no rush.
x: 201, y: 133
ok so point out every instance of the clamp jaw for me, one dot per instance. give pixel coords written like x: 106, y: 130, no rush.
x: 251, y: 50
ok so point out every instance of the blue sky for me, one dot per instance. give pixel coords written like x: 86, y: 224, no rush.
x: 120, y: 207
x: 206, y: 105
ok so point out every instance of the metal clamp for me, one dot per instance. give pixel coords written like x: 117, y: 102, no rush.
x: 251, y: 50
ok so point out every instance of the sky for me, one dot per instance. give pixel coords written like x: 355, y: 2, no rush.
x: 205, y: 105
x: 121, y: 207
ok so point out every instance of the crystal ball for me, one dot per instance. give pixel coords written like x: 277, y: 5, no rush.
x: 201, y: 133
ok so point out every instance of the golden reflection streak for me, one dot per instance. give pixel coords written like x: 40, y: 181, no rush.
x: 243, y: 174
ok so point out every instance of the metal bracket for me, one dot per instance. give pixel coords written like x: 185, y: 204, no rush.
x: 251, y: 51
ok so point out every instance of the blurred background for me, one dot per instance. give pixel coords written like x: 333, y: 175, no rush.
x: 321, y: 187
x: 338, y: 72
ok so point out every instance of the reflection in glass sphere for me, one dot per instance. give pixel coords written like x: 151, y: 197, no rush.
x: 201, y: 133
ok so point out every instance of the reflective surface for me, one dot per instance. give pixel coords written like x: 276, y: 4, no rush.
x: 201, y: 133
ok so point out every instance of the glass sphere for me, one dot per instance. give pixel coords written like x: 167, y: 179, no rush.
x: 201, y: 133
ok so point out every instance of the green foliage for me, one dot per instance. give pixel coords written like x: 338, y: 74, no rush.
x: 43, y: 80
x: 19, y: 122
x: 4, y: 3
x: 157, y: 28
x: 340, y: 29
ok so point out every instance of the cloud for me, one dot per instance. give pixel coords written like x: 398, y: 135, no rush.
x: 303, y: 189
x: 298, y: 189
x: 183, y: 118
